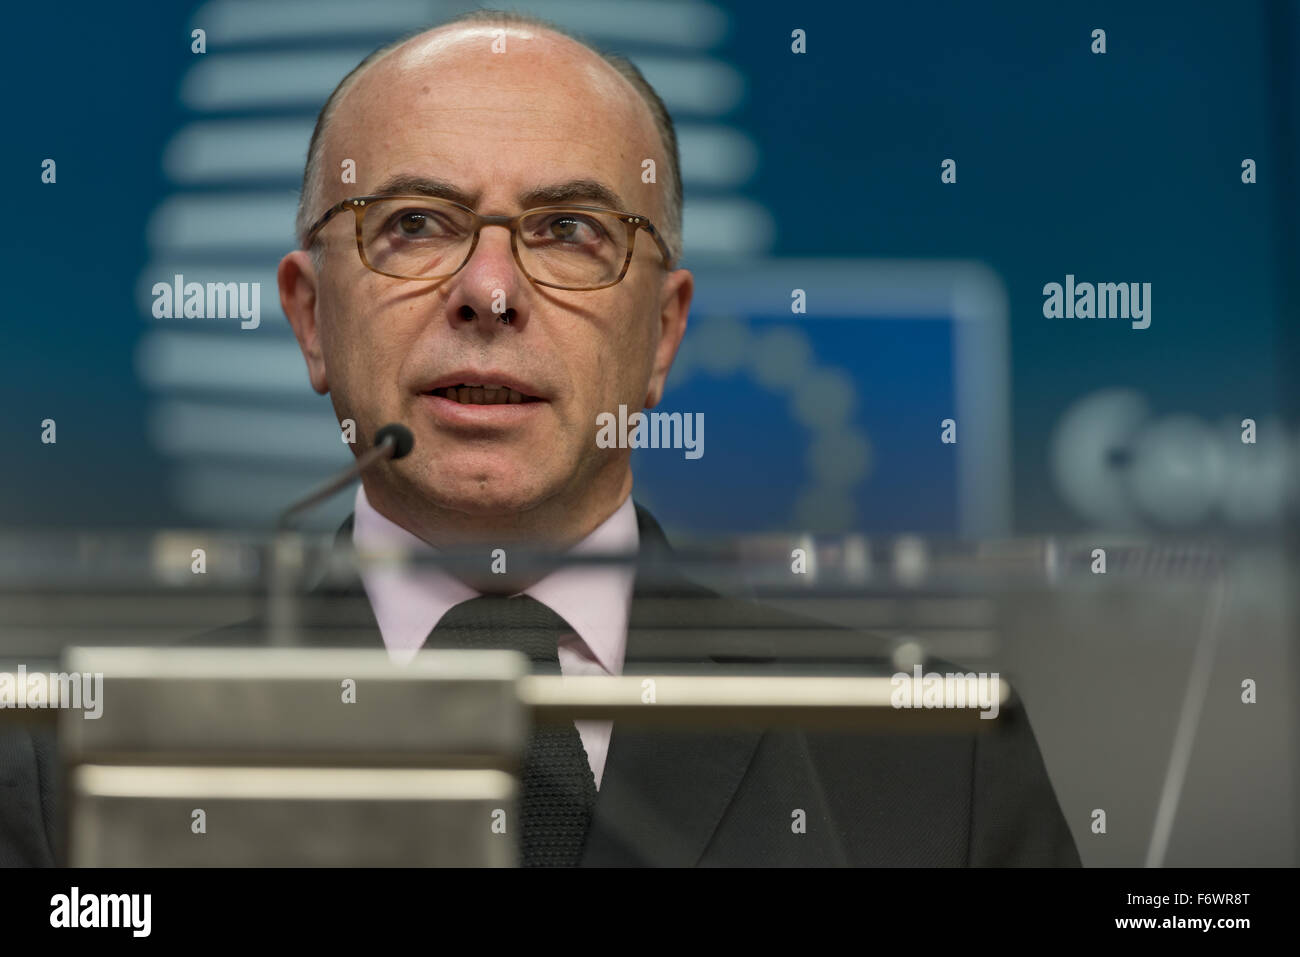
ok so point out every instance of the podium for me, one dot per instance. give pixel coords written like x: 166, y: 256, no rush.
x: 269, y: 757
x: 206, y: 757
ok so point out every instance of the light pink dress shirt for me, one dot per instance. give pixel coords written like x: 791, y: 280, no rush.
x: 595, y: 600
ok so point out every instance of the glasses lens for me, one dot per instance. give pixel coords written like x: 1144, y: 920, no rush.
x: 573, y: 248
x: 415, y: 238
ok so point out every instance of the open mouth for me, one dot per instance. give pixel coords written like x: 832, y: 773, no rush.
x: 469, y: 394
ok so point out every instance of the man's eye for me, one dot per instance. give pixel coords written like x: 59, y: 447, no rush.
x: 418, y: 224
x: 413, y: 224
x: 568, y: 228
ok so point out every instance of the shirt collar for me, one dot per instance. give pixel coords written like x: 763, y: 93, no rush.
x: 409, y: 601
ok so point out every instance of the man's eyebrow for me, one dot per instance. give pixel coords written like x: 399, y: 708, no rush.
x: 588, y: 191
x: 585, y: 191
x: 404, y: 184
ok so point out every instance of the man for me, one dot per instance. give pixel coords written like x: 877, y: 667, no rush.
x: 498, y: 342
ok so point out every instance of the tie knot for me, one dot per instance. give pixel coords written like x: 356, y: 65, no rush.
x: 521, y: 623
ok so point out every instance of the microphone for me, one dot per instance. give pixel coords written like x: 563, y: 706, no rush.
x: 392, y: 442
x: 285, y: 561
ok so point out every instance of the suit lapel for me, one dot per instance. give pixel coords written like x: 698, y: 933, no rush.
x: 337, y: 612
x: 663, y: 792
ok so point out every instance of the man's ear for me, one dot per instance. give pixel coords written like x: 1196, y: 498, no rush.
x: 297, y: 280
x: 675, y: 305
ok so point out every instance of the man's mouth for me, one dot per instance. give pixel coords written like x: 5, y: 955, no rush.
x: 472, y: 394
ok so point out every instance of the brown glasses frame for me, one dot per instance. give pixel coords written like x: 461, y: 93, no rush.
x: 360, y: 204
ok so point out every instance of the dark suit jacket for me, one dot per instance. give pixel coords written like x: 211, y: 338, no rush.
x: 726, y: 797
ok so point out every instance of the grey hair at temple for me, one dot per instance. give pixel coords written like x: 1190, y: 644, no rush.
x: 670, y: 230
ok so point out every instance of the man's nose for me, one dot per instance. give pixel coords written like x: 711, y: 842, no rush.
x: 491, y: 283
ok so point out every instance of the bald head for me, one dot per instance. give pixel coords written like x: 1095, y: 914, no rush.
x: 500, y: 72
x: 501, y: 115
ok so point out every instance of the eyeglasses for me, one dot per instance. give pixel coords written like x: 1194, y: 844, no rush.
x: 426, y: 238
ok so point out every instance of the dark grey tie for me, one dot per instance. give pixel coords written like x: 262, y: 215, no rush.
x: 557, y: 784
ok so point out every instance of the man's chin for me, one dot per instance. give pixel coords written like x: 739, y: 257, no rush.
x: 483, y: 497
x: 486, y: 502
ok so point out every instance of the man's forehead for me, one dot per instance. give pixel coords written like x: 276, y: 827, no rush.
x: 490, y: 43
x: 432, y: 105
x: 454, y: 69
